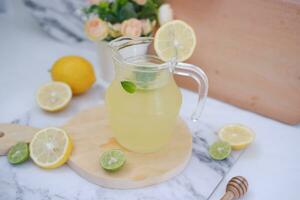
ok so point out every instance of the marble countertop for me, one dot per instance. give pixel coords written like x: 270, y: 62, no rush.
x: 270, y: 163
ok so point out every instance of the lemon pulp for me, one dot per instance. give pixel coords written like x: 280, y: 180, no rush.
x: 50, y: 148
x: 53, y: 96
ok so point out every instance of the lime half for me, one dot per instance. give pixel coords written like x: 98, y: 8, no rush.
x: 112, y: 160
x: 18, y: 153
x: 220, y: 150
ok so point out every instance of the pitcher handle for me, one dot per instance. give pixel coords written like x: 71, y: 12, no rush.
x: 189, y: 70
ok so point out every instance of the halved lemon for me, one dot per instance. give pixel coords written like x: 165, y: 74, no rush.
x: 175, y: 40
x: 54, y: 96
x: 237, y: 135
x: 50, y: 148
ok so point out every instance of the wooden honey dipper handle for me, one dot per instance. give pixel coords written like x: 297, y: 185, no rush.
x: 236, y: 187
x: 228, y: 196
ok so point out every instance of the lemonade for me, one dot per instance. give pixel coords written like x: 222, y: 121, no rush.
x: 145, y: 120
x: 143, y: 100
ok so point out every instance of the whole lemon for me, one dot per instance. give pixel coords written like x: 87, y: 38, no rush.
x: 76, y: 71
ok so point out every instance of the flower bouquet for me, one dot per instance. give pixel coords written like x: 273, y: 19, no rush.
x: 107, y: 20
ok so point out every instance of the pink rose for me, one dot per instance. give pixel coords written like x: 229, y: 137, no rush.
x: 93, y: 1
x: 96, y: 29
x: 131, y: 27
x: 140, y: 2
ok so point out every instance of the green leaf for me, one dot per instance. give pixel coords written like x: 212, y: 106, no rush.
x: 149, y: 10
x: 121, y: 2
x: 104, y: 5
x: 119, y: 10
x: 91, y: 9
x: 115, y: 7
x: 158, y: 2
x: 126, y: 12
x: 111, y: 18
x: 128, y: 86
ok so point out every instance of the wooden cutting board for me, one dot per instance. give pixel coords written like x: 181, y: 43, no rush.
x: 250, y: 51
x: 91, y: 134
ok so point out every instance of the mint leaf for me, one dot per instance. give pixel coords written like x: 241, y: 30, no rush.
x: 128, y: 86
x: 144, y: 78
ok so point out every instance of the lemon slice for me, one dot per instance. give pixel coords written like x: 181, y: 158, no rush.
x: 50, y: 148
x: 175, y: 39
x: 237, y: 135
x: 54, y: 96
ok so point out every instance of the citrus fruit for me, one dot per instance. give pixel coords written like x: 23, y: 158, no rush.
x: 53, y: 96
x: 237, y: 135
x: 76, y: 71
x: 219, y: 150
x: 112, y: 160
x: 50, y: 148
x: 175, y: 39
x: 18, y: 153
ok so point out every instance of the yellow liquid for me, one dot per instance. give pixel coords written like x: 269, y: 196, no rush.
x: 145, y: 120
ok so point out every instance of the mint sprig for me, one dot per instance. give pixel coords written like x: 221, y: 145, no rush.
x: 128, y: 86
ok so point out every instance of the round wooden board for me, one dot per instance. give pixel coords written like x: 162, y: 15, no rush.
x: 92, y: 136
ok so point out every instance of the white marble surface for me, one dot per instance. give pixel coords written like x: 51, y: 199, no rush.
x: 197, y: 181
x: 270, y: 163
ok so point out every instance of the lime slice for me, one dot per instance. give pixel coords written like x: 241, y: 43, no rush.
x: 219, y: 150
x: 18, y: 153
x: 237, y: 135
x: 112, y: 160
x: 175, y: 39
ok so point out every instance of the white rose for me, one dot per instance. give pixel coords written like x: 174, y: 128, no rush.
x: 114, y: 30
x: 146, y: 26
x: 165, y: 14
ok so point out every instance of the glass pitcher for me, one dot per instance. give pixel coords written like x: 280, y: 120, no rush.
x: 143, y: 121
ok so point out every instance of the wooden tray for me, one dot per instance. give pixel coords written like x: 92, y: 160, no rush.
x: 92, y: 136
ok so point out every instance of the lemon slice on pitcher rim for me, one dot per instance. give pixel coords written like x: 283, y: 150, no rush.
x: 54, y: 96
x: 50, y: 148
x: 237, y: 135
x: 175, y: 40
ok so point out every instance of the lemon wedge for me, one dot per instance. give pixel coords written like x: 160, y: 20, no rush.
x: 50, y: 148
x: 54, y: 96
x: 237, y: 135
x: 175, y: 40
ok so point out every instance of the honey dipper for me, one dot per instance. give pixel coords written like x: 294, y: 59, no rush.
x: 236, y: 187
